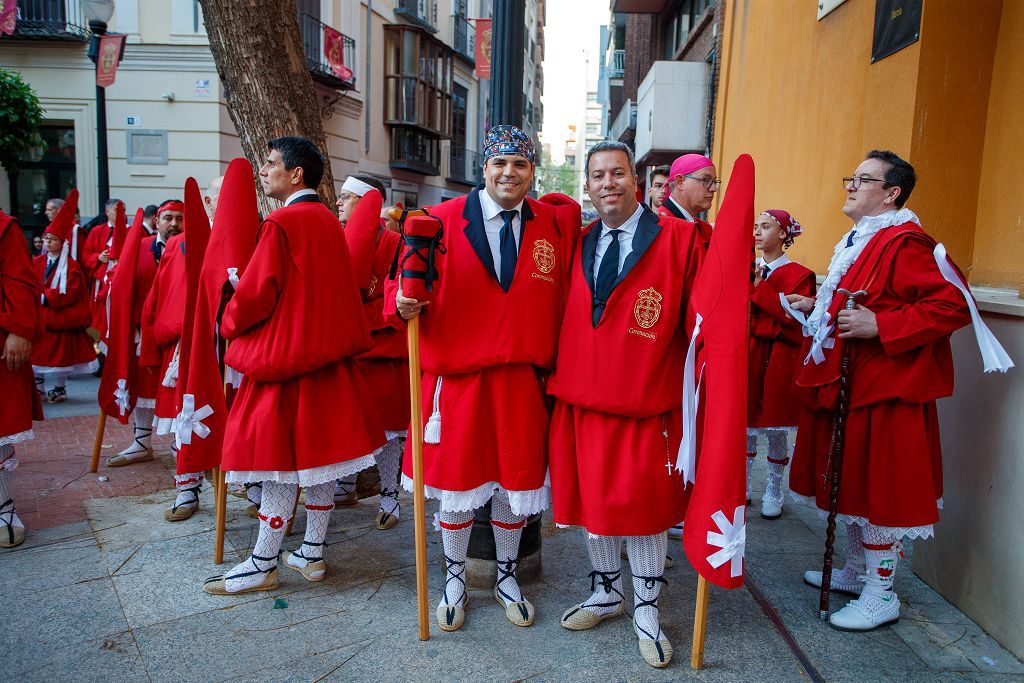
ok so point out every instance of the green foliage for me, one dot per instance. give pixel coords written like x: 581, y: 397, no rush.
x: 20, y: 117
x: 551, y: 178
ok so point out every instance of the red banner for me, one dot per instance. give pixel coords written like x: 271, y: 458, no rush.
x: 107, y: 59
x: 334, y: 52
x: 483, y: 48
x: 8, y: 17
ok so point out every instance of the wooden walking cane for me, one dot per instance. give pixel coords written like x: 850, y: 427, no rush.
x: 220, y: 490
x: 835, y: 461
x: 418, y: 502
x: 101, y: 428
x: 700, y: 623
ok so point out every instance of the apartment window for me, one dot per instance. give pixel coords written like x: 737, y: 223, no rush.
x: 417, y: 80
x: 682, y: 21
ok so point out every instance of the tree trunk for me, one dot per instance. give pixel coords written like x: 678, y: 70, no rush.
x: 258, y: 51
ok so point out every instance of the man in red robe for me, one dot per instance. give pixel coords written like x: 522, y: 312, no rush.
x: 385, y: 367
x: 618, y: 384
x: 773, y: 408
x: 294, y: 325
x: 151, y: 251
x: 65, y: 347
x: 692, y: 182
x: 487, y: 338
x: 19, y: 326
x: 899, y: 329
x: 95, y: 255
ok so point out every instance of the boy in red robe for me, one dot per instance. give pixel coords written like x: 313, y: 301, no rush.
x: 294, y: 325
x: 151, y: 251
x: 891, y: 477
x: 487, y: 338
x: 65, y: 347
x: 773, y: 408
x: 385, y: 367
x: 19, y: 325
x: 618, y: 385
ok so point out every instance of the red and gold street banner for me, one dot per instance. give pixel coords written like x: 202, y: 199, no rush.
x: 8, y: 17
x: 107, y: 59
x: 483, y: 48
x: 334, y: 53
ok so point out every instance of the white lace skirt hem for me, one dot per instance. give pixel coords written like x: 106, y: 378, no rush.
x: 145, y: 403
x: 309, y: 477
x: 910, y: 532
x: 26, y: 435
x: 77, y: 369
x: 522, y: 502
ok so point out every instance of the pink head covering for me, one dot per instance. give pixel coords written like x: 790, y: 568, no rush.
x: 786, y: 222
x: 688, y: 163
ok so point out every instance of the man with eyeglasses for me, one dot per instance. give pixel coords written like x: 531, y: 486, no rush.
x: 693, y: 182
x: 891, y: 473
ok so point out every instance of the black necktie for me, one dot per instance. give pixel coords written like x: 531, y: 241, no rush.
x: 509, y: 252
x: 764, y: 272
x: 158, y: 250
x: 50, y: 265
x: 849, y: 240
x: 609, y: 269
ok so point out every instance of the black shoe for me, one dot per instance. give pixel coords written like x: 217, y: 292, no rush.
x: 101, y: 359
x: 56, y: 395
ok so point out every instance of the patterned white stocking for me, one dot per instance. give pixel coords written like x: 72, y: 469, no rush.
x: 606, y: 579
x: 647, y: 563
x: 143, y: 441
x: 456, y: 528
x: 9, y: 520
x: 508, y: 531
x: 188, y: 486
x: 389, y: 462
x: 319, y: 504
x: 275, y: 513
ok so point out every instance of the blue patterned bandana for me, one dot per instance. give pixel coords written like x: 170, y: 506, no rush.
x: 504, y: 139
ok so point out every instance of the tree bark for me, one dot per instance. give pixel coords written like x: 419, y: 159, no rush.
x: 258, y: 51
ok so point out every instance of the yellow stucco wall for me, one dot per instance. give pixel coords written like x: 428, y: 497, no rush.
x: 803, y: 97
x: 1000, y: 216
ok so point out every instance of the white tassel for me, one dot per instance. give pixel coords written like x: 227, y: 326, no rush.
x: 432, y: 432
x: 171, y: 376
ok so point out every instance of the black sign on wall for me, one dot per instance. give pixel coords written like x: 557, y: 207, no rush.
x: 897, y: 24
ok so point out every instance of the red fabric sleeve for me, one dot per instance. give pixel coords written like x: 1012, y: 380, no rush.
x: 694, y: 260
x: 19, y: 289
x: 935, y: 307
x: 95, y: 243
x: 257, y: 291
x: 75, y: 290
x: 149, y: 354
x: 362, y: 232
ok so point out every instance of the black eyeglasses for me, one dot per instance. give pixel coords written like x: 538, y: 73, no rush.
x: 857, y: 180
x: 708, y: 183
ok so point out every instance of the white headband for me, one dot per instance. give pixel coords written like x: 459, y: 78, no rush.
x: 356, y: 186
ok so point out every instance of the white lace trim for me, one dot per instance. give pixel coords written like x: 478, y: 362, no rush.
x: 308, y: 477
x: 752, y: 431
x: 10, y: 464
x: 145, y: 403
x: 843, y: 257
x: 389, y: 435
x: 26, y: 435
x: 78, y: 368
x: 522, y: 502
x: 911, y: 532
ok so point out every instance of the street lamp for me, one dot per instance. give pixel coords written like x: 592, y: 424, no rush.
x: 99, y: 12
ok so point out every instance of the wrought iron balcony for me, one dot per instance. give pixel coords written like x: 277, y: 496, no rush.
x: 56, y: 19
x: 423, y: 13
x: 465, y: 166
x: 463, y: 38
x: 617, y: 65
x: 312, y: 32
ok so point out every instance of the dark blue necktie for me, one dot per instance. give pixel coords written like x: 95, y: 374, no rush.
x: 50, y: 266
x: 849, y: 240
x: 609, y: 270
x: 509, y: 252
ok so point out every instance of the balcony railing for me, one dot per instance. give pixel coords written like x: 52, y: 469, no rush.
x: 465, y: 166
x: 623, y: 128
x: 423, y: 13
x: 617, y: 64
x: 59, y: 19
x: 416, y: 151
x: 312, y: 31
x: 463, y: 36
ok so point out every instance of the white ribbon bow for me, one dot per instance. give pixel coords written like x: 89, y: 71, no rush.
x: 732, y: 541
x: 233, y: 276
x: 121, y: 396
x: 686, y: 460
x: 189, y: 421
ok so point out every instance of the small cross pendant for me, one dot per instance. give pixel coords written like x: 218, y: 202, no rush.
x: 668, y: 466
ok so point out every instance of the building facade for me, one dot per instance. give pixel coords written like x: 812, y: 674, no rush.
x: 167, y: 115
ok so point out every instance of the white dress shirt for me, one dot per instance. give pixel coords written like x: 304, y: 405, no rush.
x: 298, y: 193
x: 492, y: 226
x: 777, y: 263
x: 604, y: 240
x: 686, y: 214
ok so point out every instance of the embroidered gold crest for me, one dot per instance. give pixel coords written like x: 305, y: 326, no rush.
x: 647, y: 308
x: 544, y: 256
x: 373, y: 285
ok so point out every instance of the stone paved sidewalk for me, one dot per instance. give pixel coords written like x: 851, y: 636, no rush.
x: 117, y: 596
